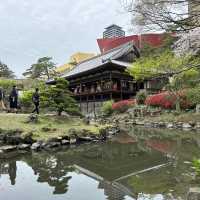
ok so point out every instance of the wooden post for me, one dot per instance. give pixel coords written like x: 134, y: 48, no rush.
x: 121, y: 89
x: 87, y: 103
x: 111, y: 95
x: 94, y: 103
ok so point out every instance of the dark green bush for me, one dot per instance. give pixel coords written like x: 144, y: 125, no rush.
x: 141, y: 97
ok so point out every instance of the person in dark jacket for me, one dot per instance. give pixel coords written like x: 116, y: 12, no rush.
x: 13, y: 98
x: 36, y: 100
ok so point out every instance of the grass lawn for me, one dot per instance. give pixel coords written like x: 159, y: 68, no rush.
x: 58, y: 126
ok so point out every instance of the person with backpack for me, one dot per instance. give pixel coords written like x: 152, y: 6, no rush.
x: 36, y: 100
x: 13, y: 98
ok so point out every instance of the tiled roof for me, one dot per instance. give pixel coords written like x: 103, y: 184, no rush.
x: 108, y: 57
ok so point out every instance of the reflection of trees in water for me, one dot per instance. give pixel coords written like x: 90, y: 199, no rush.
x: 51, y: 170
x: 10, y: 168
x: 109, y: 160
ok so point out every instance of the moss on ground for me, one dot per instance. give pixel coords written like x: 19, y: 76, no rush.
x: 47, y: 126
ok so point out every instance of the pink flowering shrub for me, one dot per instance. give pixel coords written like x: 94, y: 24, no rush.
x: 167, y: 100
x: 122, y: 106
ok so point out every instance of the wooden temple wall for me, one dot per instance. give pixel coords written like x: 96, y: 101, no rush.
x: 91, y: 108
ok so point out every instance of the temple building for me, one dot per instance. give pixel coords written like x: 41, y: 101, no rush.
x: 96, y: 79
x: 104, y: 77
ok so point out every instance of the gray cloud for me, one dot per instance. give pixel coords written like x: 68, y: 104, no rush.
x: 34, y: 28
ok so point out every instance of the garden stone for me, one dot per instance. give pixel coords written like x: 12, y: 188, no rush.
x: 36, y: 146
x: 23, y: 146
x: 179, y: 125
x: 170, y: 125
x: 162, y: 124
x: 85, y: 138
x: 65, y: 142
x: 72, y: 140
x: 197, y: 126
x: 148, y: 124
x: 8, y: 148
x: 52, y: 145
x: 194, y: 194
x: 140, y: 123
x: 186, y: 126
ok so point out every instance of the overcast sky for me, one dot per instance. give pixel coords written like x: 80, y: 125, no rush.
x: 30, y: 29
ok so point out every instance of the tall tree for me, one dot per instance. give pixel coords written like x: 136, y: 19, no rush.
x: 44, y: 68
x: 5, y: 72
x: 169, y: 15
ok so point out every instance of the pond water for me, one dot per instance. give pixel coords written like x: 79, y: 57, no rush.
x: 144, y: 164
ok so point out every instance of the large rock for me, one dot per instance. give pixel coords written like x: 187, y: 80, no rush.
x: 8, y: 148
x: 170, y: 125
x: 65, y: 142
x: 52, y: 145
x: 24, y: 146
x: 186, y: 126
x: 73, y: 140
x: 194, y: 194
x: 36, y: 146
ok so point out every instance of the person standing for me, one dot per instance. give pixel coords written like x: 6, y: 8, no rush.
x: 13, y: 98
x: 36, y: 100
x: 2, y: 95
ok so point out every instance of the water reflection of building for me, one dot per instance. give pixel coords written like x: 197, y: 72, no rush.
x: 111, y: 192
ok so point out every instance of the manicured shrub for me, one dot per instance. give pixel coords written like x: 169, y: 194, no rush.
x: 107, y: 108
x: 26, y: 98
x: 141, y: 97
x: 123, y: 106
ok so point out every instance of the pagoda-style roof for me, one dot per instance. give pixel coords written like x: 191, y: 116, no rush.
x: 114, y: 56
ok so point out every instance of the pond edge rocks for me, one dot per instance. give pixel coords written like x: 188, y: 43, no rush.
x: 14, y: 141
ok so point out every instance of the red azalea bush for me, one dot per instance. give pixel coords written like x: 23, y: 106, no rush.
x: 167, y: 100
x: 122, y: 106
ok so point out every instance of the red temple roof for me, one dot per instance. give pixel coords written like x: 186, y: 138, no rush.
x: 153, y: 39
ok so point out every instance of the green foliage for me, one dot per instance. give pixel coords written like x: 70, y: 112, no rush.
x: 26, y: 98
x: 196, y: 165
x: 193, y: 95
x: 44, y: 68
x: 5, y: 72
x: 141, y: 97
x: 107, y: 108
x: 163, y: 64
x: 7, y: 84
x: 58, y: 98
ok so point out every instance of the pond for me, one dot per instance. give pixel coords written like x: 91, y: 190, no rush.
x: 143, y: 164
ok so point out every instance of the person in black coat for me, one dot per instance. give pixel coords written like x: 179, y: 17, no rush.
x: 36, y: 100
x: 13, y: 98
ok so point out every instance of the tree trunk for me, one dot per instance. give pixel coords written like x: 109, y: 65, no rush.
x: 178, y: 105
x: 59, y: 112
